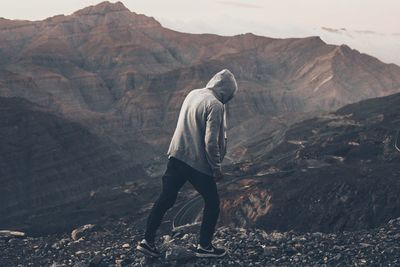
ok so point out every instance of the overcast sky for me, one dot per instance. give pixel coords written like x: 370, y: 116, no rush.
x: 371, y: 26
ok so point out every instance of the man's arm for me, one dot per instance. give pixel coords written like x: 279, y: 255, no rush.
x: 213, y: 126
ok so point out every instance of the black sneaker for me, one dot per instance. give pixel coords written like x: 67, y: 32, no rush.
x: 210, y: 252
x: 148, y: 249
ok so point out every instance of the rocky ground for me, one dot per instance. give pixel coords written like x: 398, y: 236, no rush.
x: 113, y: 244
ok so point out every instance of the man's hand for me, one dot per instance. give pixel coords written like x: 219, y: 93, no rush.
x: 218, y: 176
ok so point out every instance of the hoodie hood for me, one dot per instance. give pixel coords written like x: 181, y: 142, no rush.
x: 224, y: 85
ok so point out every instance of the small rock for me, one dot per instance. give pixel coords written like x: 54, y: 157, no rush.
x: 396, y: 236
x: 337, y: 257
x: 96, y: 260
x: 336, y: 247
x: 7, y: 234
x: 55, y: 246
x: 56, y: 264
x: 264, y: 234
x: 270, y: 250
x: 166, y: 238
x: 126, y: 245
x: 64, y: 241
x: 316, y: 234
x: 185, y: 237
x: 82, y: 231
x: 298, y: 246
x: 365, y: 245
x: 277, y: 236
x: 174, y: 253
x: 290, y: 250
x: 12, y: 240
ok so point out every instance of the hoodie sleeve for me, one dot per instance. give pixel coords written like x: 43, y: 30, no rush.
x: 212, y: 134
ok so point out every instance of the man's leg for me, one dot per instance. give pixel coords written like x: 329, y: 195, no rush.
x: 172, y: 181
x: 207, y: 187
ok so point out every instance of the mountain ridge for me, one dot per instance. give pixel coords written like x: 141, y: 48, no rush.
x: 101, y: 8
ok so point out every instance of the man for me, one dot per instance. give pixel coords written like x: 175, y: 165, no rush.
x: 196, y: 151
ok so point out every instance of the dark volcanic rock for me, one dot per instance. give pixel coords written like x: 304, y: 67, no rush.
x: 246, y: 247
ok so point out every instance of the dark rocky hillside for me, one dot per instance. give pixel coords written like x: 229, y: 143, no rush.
x: 52, y: 170
x: 335, y: 172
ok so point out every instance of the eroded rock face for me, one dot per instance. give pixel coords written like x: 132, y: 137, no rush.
x: 331, y: 173
x: 243, y: 203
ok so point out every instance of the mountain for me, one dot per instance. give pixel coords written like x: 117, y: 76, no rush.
x: 110, y: 82
x: 53, y: 171
x: 124, y: 76
x: 331, y: 173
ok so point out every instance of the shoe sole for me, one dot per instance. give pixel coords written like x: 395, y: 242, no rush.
x: 147, y: 252
x: 201, y: 255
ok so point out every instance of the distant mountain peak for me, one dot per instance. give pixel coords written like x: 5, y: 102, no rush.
x: 102, y: 8
x: 107, y: 7
x: 344, y: 50
x: 314, y: 39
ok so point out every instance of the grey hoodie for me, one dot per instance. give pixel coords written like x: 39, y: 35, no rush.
x: 199, y: 139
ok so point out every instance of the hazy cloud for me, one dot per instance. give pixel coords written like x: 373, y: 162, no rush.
x: 345, y: 31
x: 367, y: 32
x: 239, y: 4
x: 333, y: 30
x: 341, y: 31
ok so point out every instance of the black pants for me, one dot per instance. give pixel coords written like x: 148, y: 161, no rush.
x: 175, y: 176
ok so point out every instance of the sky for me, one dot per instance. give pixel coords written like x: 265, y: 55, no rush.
x: 370, y: 26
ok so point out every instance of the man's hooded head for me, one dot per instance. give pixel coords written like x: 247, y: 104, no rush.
x: 224, y: 85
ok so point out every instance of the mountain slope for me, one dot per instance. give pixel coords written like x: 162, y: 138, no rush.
x: 50, y: 168
x: 124, y: 75
x: 331, y: 173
